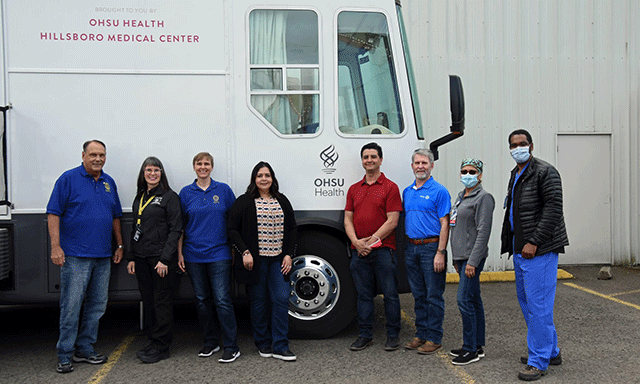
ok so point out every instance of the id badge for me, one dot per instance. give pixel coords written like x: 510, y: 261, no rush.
x: 137, y: 234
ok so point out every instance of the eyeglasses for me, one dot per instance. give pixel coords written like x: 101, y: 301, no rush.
x: 471, y: 172
x: 153, y: 170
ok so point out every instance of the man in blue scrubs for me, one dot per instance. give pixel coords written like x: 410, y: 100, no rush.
x: 534, y: 232
x: 83, y: 212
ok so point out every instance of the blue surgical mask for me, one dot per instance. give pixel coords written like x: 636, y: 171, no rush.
x: 469, y: 180
x: 521, y: 154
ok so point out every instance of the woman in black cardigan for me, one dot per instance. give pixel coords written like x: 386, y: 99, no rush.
x: 262, y: 230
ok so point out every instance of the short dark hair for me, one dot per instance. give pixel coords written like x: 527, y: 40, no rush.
x: 142, y: 183
x: 520, y: 132
x: 86, y: 144
x: 371, y: 146
x: 252, y: 189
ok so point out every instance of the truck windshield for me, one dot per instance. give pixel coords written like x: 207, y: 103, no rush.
x: 368, y: 101
x: 412, y: 80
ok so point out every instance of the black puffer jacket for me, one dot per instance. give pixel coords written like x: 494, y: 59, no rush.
x: 537, y: 211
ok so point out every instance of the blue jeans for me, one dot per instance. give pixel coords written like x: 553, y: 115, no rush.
x: 273, y: 287
x: 536, y: 288
x: 427, y: 287
x: 471, y: 308
x: 212, y: 285
x: 82, y: 279
x: 379, y: 266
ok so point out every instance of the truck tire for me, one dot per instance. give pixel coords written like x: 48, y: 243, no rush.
x: 323, y: 300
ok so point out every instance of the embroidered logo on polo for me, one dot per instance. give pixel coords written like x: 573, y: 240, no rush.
x: 216, y: 199
x: 157, y: 200
x: 107, y: 187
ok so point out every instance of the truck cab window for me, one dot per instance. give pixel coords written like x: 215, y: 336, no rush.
x: 284, y: 68
x: 368, y: 99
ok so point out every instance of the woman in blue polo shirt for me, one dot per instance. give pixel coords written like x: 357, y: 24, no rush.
x: 204, y: 255
x: 157, y: 225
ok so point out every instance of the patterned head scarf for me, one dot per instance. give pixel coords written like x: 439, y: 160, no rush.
x: 473, y: 162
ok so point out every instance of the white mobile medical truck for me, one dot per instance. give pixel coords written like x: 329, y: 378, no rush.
x: 301, y: 86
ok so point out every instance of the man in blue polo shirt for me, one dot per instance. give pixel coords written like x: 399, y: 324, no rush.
x: 83, y: 212
x: 426, y: 204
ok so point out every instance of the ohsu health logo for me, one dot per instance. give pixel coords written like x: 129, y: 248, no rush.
x: 329, y: 156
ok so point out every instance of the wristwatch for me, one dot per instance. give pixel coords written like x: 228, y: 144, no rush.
x: 443, y: 251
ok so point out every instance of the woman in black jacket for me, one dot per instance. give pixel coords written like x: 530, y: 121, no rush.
x: 157, y: 225
x: 262, y: 230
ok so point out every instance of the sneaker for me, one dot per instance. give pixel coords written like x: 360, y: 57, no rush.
x: 229, y: 356
x: 154, y: 355
x: 429, y: 348
x: 466, y: 358
x: 458, y: 352
x: 393, y: 343
x: 286, y: 355
x: 531, y: 373
x: 265, y: 351
x: 208, y: 351
x: 361, y: 343
x: 64, y: 366
x: 415, y: 343
x: 94, y: 358
x: 554, y: 360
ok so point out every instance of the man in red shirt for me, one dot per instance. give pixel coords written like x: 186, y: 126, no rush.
x: 370, y: 219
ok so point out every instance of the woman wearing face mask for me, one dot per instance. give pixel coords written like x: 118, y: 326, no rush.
x: 262, y: 230
x: 471, y: 218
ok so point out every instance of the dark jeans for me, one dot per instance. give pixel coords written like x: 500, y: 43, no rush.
x: 427, y: 287
x: 211, y: 283
x: 157, y: 300
x: 273, y: 287
x: 471, y: 308
x: 379, y: 266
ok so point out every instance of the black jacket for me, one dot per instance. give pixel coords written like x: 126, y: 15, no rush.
x: 537, y: 210
x: 160, y: 224
x: 242, y: 228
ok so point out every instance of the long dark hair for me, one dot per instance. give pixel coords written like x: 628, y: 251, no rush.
x: 142, y: 183
x: 252, y: 189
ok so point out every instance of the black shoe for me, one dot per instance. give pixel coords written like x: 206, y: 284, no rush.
x: 531, y: 373
x: 554, y: 360
x: 393, y: 343
x: 229, y: 356
x: 153, y: 355
x: 465, y: 358
x: 265, y: 351
x: 458, y: 352
x: 208, y: 351
x: 361, y: 343
x: 286, y: 355
x: 64, y: 366
x: 94, y: 358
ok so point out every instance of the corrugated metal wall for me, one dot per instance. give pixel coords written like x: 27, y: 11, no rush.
x: 551, y: 67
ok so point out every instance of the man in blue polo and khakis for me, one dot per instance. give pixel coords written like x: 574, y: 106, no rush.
x: 426, y: 205
x: 83, y: 214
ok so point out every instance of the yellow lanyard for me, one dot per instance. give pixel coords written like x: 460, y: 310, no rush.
x: 142, y: 207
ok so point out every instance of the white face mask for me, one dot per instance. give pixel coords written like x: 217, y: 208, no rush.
x: 469, y: 180
x: 521, y: 154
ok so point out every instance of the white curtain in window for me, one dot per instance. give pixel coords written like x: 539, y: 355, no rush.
x: 269, y: 46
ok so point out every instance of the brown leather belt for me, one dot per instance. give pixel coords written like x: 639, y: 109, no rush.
x: 428, y: 240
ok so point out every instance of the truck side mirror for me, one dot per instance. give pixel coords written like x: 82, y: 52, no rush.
x: 456, y: 97
x: 456, y: 102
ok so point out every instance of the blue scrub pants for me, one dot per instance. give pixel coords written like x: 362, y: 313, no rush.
x: 536, y: 288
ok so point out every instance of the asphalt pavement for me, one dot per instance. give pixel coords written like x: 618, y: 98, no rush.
x: 597, y: 323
